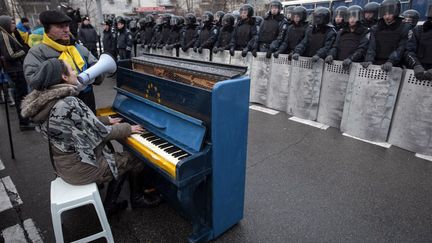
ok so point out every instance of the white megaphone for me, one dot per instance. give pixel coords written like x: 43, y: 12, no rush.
x: 106, y: 64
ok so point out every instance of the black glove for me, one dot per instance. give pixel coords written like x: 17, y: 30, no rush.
x: 232, y: 52
x: 387, y: 67
x: 295, y: 56
x: 160, y: 46
x: 200, y: 50
x: 315, y: 58
x: 366, y: 64
x: 329, y: 59
x: 154, y: 46
x: 254, y: 52
x: 184, y: 49
x: 215, y: 50
x: 428, y: 75
x: 346, y: 63
x: 195, y: 49
x: 276, y: 54
x: 419, y: 72
x: 268, y: 54
x: 244, y: 52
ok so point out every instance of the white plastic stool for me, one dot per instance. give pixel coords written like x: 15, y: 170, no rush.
x: 65, y: 196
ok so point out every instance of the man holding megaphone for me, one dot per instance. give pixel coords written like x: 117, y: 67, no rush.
x: 59, y: 43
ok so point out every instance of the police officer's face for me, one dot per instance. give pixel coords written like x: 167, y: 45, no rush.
x: 120, y: 25
x: 352, y: 21
x: 59, y: 32
x: 296, y: 19
x: 338, y: 19
x: 274, y: 10
x: 243, y: 14
x: 105, y: 27
x: 86, y: 21
x: 368, y: 16
x: 408, y: 20
x: 388, y: 18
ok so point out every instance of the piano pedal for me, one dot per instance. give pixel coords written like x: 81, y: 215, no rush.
x: 150, y: 190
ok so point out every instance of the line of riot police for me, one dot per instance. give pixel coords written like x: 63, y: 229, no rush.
x: 376, y: 34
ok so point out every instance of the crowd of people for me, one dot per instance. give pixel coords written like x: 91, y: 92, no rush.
x: 43, y: 64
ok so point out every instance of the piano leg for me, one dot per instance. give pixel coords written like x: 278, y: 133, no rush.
x: 201, y: 231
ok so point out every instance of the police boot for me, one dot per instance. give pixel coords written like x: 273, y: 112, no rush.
x: 138, y: 198
x: 113, y: 191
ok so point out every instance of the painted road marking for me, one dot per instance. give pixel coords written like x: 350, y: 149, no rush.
x: 9, y: 196
x: 309, y: 122
x: 422, y: 156
x: 381, y: 144
x: 16, y: 233
x: 32, y: 231
x: 1, y: 165
x: 263, y: 109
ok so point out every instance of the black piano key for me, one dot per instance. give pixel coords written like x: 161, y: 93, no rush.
x: 172, y: 150
x: 153, y: 138
x: 146, y: 135
x: 169, y: 148
x: 165, y: 145
x: 177, y: 154
x: 183, y: 156
x: 160, y: 141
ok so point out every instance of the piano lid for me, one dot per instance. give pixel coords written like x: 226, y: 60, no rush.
x: 196, y: 73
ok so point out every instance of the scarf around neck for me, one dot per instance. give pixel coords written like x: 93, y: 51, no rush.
x: 69, y: 53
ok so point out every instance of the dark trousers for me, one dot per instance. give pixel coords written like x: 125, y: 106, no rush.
x: 124, y: 54
x: 89, y: 99
x: 21, y: 90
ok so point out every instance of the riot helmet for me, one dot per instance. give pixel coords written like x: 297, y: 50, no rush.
x: 391, y: 7
x: 372, y: 8
x: 301, y: 12
x: 207, y: 17
x: 341, y: 13
x: 429, y: 9
x: 166, y: 19
x: 355, y: 12
x: 275, y: 4
x: 228, y: 20
x: 218, y: 16
x: 149, y: 19
x: 411, y: 16
x: 321, y: 16
x: 246, y: 9
x: 190, y: 19
x: 288, y: 12
x: 174, y: 21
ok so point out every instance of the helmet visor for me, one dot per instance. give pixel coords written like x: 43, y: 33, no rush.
x: 391, y: 9
x: 357, y: 15
x: 174, y: 21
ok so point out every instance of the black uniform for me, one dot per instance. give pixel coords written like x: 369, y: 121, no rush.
x: 163, y: 35
x: 294, y: 35
x: 387, y: 42
x: 146, y: 33
x: 244, y: 35
x: 271, y: 33
x: 189, y: 36
x: 109, y: 42
x: 124, y: 43
x: 224, y: 39
x: 174, y: 37
x: 207, y: 36
x: 88, y: 36
x: 419, y: 51
x: 350, y: 45
x: 317, y: 41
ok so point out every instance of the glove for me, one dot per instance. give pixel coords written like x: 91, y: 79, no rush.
x: 184, y: 49
x: 244, y: 52
x: 428, y: 75
x: 215, y: 50
x: 200, y: 50
x: 160, y: 46
x: 268, y: 54
x: 387, y: 67
x: 231, y: 52
x: 169, y: 47
x: 315, y: 58
x: 329, y: 59
x: 276, y: 54
x: 419, y: 72
x: 154, y: 46
x: 195, y: 49
x: 346, y: 63
x: 254, y: 52
x: 142, y: 45
x: 366, y: 64
x: 295, y: 56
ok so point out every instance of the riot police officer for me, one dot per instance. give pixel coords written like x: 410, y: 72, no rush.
x: 207, y: 34
x: 319, y: 36
x: 218, y: 18
x: 371, y: 14
x: 164, y: 32
x: 147, y: 29
x: 245, y: 31
x: 225, y: 34
x: 272, y: 31
x: 411, y: 17
x: 176, y: 32
x: 340, y: 17
x: 125, y: 39
x: 288, y: 14
x: 351, y: 41
x: 295, y: 32
x: 189, y: 33
x: 419, y: 48
x: 388, y: 37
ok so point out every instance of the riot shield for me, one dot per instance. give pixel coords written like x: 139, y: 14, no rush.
x: 278, y: 86
x: 332, y: 97
x: 259, y: 76
x: 204, y: 56
x: 304, y: 90
x: 185, y: 54
x: 237, y: 59
x: 166, y: 52
x: 412, y: 121
x: 369, y: 102
x: 156, y: 51
x: 222, y: 57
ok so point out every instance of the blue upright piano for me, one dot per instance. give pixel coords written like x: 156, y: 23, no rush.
x: 196, y: 119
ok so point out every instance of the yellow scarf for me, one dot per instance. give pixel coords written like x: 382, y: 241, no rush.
x: 69, y: 54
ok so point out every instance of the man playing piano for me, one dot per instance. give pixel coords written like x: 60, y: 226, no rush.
x: 77, y: 138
